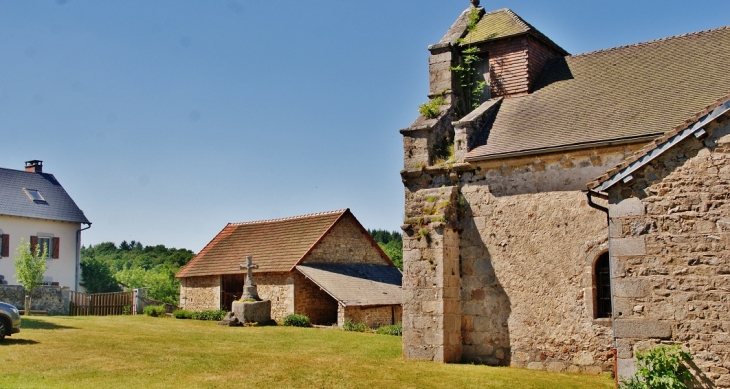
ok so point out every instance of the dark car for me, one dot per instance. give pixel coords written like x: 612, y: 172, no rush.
x: 9, y: 320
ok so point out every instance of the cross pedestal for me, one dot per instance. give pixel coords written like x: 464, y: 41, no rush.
x: 249, y: 288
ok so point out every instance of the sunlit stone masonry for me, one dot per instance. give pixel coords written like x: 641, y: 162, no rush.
x: 574, y: 209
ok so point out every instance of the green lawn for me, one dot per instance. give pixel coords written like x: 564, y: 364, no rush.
x: 144, y: 352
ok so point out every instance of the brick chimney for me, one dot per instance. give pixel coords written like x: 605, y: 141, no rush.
x: 34, y: 166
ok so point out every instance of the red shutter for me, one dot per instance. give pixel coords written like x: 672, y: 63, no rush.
x: 6, y: 246
x: 33, y: 244
x: 56, y: 244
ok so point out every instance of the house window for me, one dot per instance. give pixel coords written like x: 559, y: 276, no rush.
x: 50, y: 243
x: 45, y: 241
x: 34, y: 195
x: 4, y: 245
x: 602, y: 274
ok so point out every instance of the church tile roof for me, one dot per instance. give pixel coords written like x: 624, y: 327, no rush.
x: 504, y: 23
x: 619, y: 94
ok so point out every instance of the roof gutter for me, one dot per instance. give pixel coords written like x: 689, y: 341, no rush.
x: 575, y: 146
x: 589, y: 194
x: 78, y: 255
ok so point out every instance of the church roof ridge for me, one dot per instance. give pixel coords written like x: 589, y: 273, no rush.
x: 658, y: 40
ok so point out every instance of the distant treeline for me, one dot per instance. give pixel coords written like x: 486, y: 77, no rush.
x: 105, y: 266
x: 391, y: 243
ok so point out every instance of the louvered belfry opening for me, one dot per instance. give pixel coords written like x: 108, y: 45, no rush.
x: 603, y: 287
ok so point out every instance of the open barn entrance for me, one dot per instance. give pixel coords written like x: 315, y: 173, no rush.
x: 231, y: 289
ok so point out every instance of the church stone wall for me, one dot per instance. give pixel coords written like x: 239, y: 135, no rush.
x: 525, y: 242
x: 346, y: 243
x: 200, y: 293
x: 528, y: 244
x: 670, y: 248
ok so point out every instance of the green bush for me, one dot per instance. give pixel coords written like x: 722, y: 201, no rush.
x: 395, y: 329
x: 296, y: 320
x: 154, y: 310
x: 182, y: 314
x: 214, y: 315
x: 662, y: 367
x: 430, y: 110
x: 357, y: 327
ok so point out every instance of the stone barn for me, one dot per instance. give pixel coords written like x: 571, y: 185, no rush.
x: 323, y: 265
x: 573, y: 211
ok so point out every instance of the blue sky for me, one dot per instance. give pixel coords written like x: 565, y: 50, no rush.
x: 166, y: 120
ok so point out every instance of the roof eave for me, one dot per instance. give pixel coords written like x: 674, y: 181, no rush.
x: 570, y: 147
x: 693, y: 128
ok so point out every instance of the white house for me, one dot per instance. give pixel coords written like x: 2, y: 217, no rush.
x: 35, y: 207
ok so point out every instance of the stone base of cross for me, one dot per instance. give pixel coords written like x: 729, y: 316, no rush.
x: 249, y: 287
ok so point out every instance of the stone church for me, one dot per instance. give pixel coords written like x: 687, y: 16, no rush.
x: 573, y: 211
x: 323, y: 265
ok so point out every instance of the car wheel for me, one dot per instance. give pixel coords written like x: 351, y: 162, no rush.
x: 3, y: 329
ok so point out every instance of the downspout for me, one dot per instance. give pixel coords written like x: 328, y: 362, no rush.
x: 78, y: 256
x: 589, y: 194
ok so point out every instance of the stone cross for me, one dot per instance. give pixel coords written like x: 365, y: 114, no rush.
x: 249, y: 288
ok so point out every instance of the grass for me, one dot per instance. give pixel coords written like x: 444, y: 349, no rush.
x: 145, y: 352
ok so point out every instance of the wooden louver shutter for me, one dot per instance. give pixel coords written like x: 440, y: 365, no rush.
x: 33, y: 244
x: 56, y: 244
x: 5, y: 245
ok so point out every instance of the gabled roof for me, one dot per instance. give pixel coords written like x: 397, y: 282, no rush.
x: 276, y: 245
x: 16, y: 201
x: 504, y: 23
x: 616, y: 95
x: 357, y: 283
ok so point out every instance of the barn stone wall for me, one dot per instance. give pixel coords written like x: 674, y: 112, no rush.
x: 374, y: 317
x: 670, y: 253
x: 314, y: 302
x: 279, y: 288
x: 346, y: 243
x: 200, y: 293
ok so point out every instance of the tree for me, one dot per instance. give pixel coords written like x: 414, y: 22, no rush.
x: 30, y: 268
x: 97, y: 277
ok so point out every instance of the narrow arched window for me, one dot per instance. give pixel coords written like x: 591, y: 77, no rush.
x: 602, y: 274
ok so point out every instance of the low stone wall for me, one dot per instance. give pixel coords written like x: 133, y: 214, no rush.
x: 374, y: 317
x: 52, y: 299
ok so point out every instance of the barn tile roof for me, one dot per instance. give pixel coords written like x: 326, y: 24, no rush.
x: 504, y: 23
x: 276, y: 245
x: 58, y: 205
x: 614, y: 95
x: 357, y: 284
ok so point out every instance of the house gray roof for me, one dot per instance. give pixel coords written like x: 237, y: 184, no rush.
x: 357, y: 284
x: 616, y: 95
x: 57, y: 204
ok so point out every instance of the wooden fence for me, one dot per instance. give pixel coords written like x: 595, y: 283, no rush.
x: 100, y: 304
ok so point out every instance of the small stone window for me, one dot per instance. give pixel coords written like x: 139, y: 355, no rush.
x: 602, y: 277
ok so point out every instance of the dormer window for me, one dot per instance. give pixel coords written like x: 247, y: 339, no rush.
x: 34, y: 195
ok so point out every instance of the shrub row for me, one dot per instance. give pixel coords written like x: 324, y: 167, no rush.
x: 357, y: 327
x: 296, y: 320
x: 215, y: 315
x: 154, y: 310
x: 395, y: 330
